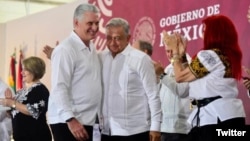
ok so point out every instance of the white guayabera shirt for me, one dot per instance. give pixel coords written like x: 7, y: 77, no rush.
x: 131, y: 103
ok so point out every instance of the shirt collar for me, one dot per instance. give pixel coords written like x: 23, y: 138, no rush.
x: 79, y: 44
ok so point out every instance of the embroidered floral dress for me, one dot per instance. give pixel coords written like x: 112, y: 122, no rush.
x: 34, y: 127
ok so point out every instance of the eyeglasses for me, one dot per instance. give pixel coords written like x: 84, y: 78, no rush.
x: 115, y: 39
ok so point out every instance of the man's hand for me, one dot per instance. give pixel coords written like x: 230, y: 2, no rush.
x: 78, y: 130
x: 6, y: 102
x: 48, y: 50
x: 182, y: 44
x: 170, y: 40
x: 155, y: 136
x: 246, y: 82
x: 247, y: 70
x: 8, y: 94
x: 159, y: 69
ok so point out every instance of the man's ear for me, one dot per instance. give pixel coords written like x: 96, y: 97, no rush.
x: 128, y: 37
x: 75, y: 23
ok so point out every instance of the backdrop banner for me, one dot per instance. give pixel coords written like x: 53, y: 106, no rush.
x: 148, y: 18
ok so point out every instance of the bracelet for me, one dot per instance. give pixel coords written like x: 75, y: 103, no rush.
x: 176, y: 55
x: 174, y: 59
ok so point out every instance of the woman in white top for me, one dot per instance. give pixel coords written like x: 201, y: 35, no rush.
x: 212, y: 75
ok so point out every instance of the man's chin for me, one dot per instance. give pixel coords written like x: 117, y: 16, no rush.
x: 92, y: 37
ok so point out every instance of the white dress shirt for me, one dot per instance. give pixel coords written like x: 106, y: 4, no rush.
x: 5, y: 120
x: 174, y: 104
x: 76, y: 82
x: 131, y: 103
x: 211, y: 85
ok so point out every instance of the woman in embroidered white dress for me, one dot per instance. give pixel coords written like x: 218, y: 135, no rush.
x: 29, y: 105
x: 212, y: 75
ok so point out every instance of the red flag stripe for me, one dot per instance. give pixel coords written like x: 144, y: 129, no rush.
x: 19, y: 73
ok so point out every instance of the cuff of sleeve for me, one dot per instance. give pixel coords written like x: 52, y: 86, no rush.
x: 155, y: 126
x: 67, y: 115
x: 167, y: 80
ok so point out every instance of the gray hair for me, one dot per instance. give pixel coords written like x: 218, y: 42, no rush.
x: 83, y: 8
x: 116, y: 22
x: 144, y: 45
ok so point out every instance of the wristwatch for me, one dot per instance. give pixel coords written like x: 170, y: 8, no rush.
x: 13, y: 106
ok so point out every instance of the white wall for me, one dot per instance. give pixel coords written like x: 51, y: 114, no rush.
x: 32, y: 33
x: 2, y: 50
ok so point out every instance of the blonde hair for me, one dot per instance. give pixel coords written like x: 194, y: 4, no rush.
x: 36, y: 66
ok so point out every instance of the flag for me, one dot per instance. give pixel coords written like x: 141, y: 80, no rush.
x: 12, y: 72
x: 19, y: 72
